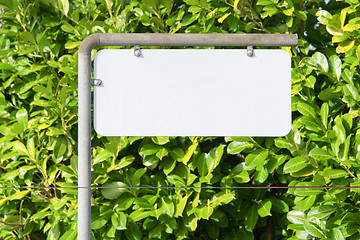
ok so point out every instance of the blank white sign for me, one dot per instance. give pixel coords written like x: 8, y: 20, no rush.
x: 192, y: 92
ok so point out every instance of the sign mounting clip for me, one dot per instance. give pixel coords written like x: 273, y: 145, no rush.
x: 96, y: 82
x: 137, y: 51
x: 250, y: 51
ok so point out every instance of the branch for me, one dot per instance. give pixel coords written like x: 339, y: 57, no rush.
x: 21, y: 225
x: 257, y: 23
x: 12, y: 224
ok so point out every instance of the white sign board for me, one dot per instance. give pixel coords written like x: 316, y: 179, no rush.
x: 192, y: 92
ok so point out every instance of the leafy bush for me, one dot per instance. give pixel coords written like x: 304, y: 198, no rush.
x: 38, y: 113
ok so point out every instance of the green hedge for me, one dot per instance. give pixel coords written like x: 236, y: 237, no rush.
x: 39, y: 40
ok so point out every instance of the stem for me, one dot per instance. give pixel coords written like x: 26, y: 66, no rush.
x: 257, y: 23
x: 21, y: 226
x: 348, y: 171
x: 269, y: 228
x: 12, y: 224
x: 51, y: 68
x: 43, y: 197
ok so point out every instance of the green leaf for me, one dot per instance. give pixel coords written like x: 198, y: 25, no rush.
x: 242, y: 177
x: 160, y: 140
x: 168, y: 165
x: 192, y: 222
x: 69, y: 235
x: 125, y: 161
x: 124, y: 202
x: 20, y: 148
x: 214, y: 157
x: 307, y: 189
x: 65, y: 6
x: 167, y: 206
x: 28, y: 36
x: 314, y: 230
x: 345, y: 46
x: 283, y: 143
x: 335, y: 66
x: 237, y: 147
x: 334, y: 173
x: 261, y: 174
x: 279, y: 205
x: 190, y: 152
x: 205, y: 212
x: 337, y: 234
x: 320, y: 154
x: 177, y: 154
x: 321, y: 211
x: 339, y: 129
x: 133, y: 232
x: 264, y: 208
x: 72, y: 45
x: 306, y: 109
x: 221, y: 198
x: 138, y: 215
x: 296, y: 217
x: 101, y: 156
x: 149, y: 149
x: 351, y: 91
x: 354, y: 24
x: 329, y: 94
x: 310, y: 123
x: 295, y: 164
x: 19, y: 195
x: 264, y: 2
x: 114, y: 190
x: 321, y: 61
x: 324, y: 114
x: 201, y: 165
x: 60, y: 148
x: 307, y: 202
x: 22, y: 117
x: 180, y: 206
x: 251, y: 217
x: 222, y: 19
x: 256, y: 158
x: 269, y: 11
x: 323, y: 17
x: 119, y: 220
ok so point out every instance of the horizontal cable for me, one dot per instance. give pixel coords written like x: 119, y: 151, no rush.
x: 210, y: 187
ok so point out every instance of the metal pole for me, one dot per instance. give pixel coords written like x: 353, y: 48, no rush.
x: 142, y: 39
x: 84, y: 146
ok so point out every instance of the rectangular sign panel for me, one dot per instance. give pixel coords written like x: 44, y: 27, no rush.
x: 192, y: 92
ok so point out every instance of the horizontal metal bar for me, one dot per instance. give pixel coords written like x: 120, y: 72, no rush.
x: 182, y: 39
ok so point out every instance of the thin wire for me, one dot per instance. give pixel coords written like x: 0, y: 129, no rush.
x: 213, y: 187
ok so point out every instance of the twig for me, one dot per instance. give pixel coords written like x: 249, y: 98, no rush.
x: 12, y: 224
x: 41, y: 26
x: 269, y: 228
x: 257, y: 23
x: 51, y: 68
x: 21, y: 226
x: 43, y: 197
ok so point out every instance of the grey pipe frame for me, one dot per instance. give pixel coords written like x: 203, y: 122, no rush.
x: 138, y: 39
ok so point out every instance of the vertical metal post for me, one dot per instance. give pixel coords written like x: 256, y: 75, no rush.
x: 84, y: 147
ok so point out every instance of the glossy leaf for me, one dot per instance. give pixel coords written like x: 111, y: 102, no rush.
x: 264, y: 208
x: 295, y: 164
x: 257, y: 158
x: 251, y: 217
x: 114, y: 190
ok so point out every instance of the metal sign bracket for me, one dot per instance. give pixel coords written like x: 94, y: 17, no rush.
x: 137, y: 39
